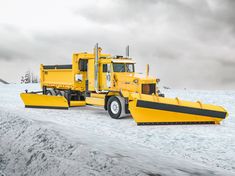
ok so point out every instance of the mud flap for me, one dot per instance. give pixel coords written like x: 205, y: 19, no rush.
x: 150, y: 109
x: 32, y: 100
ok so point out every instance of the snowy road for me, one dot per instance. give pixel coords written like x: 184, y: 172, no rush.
x: 104, y: 145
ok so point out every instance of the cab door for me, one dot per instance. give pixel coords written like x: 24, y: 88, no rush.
x: 106, y: 76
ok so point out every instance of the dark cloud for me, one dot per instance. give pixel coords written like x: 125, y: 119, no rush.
x: 189, y: 43
x: 7, y: 54
x: 228, y: 63
x: 10, y: 28
x: 117, y: 11
x: 11, y: 43
x: 224, y: 12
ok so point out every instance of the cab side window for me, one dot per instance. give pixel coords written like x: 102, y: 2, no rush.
x: 82, y: 65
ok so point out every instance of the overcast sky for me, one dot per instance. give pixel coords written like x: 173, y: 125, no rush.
x: 188, y: 43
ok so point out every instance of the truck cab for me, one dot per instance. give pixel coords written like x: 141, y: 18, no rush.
x: 113, y: 74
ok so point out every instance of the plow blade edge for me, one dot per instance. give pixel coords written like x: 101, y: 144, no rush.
x: 44, y: 101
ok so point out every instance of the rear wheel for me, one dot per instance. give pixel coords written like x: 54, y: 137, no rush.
x: 114, y: 107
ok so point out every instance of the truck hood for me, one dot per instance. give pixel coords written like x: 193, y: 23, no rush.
x: 130, y: 77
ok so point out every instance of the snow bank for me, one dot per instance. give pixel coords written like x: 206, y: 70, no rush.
x: 28, y: 148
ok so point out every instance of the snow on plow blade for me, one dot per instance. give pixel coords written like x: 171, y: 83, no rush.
x: 150, y: 109
x: 32, y: 100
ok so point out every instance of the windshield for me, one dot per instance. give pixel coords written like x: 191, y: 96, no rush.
x: 118, y: 67
x: 122, y: 67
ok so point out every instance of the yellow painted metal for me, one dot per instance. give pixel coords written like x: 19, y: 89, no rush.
x: 130, y: 82
x: 96, y: 95
x: 65, y: 78
x: 77, y: 103
x: 103, y: 77
x: 58, y: 78
x: 44, y: 101
x: 151, y: 115
x: 95, y: 101
x: 91, y: 74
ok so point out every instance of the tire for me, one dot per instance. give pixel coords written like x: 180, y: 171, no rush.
x: 114, y: 107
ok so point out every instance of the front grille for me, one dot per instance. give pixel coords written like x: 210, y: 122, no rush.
x: 148, y: 89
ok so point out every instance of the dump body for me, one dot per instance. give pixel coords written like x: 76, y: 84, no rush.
x: 57, y: 76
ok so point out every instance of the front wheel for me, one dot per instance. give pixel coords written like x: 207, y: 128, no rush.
x: 114, y: 107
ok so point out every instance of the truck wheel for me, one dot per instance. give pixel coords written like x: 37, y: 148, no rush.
x: 114, y: 107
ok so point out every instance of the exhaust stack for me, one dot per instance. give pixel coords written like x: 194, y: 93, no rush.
x: 147, y: 70
x: 127, y: 51
x: 96, y: 67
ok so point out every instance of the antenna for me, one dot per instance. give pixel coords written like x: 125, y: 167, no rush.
x: 127, y: 51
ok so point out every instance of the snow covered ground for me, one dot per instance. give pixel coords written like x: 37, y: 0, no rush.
x: 86, y: 141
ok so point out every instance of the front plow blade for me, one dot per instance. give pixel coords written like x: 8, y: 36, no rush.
x: 32, y: 100
x: 150, y: 109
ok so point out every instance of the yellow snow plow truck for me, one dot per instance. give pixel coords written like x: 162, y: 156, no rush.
x: 111, y: 82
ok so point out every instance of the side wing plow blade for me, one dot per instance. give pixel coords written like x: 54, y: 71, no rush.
x: 32, y: 100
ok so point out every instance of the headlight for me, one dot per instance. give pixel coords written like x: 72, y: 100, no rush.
x: 135, y: 81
